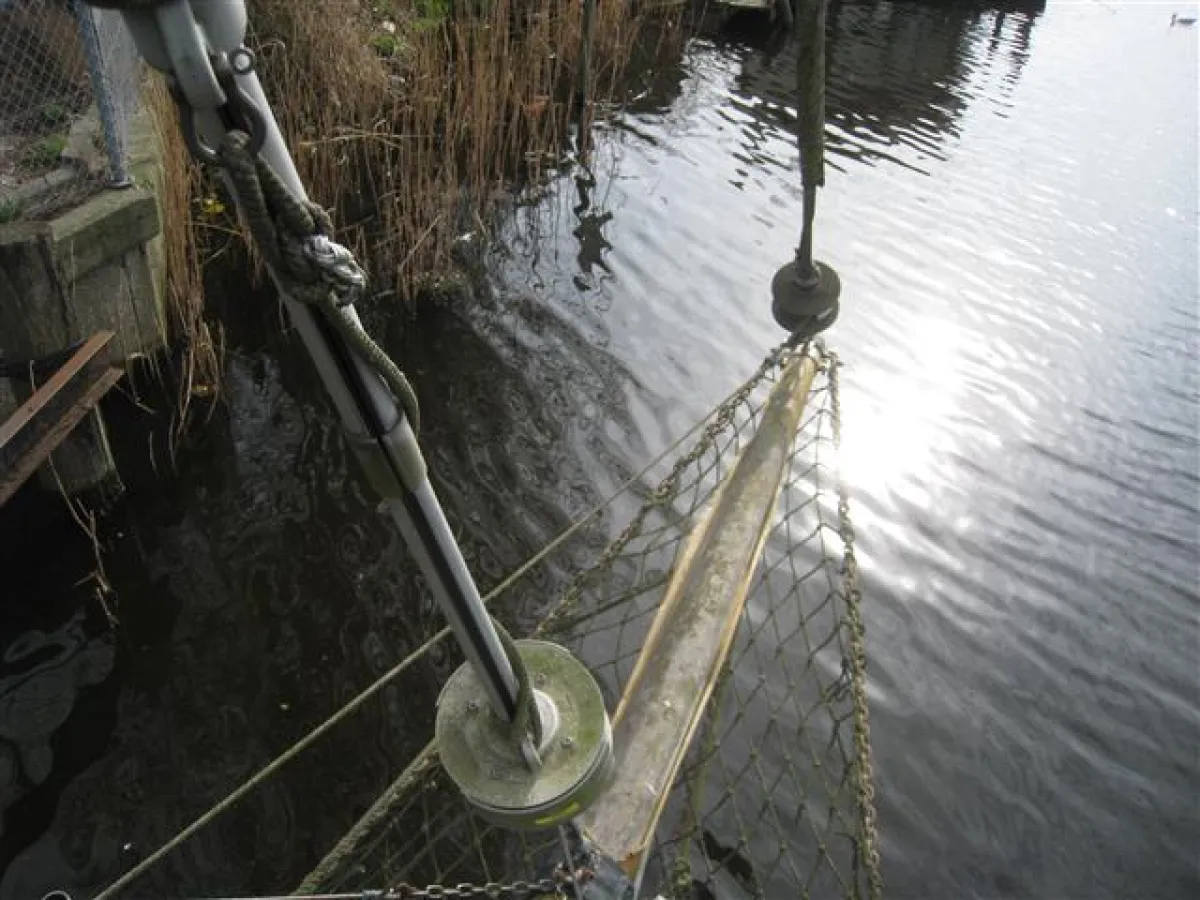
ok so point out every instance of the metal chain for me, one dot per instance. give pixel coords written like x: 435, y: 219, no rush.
x: 126, y: 4
x: 542, y: 889
x: 559, y: 617
x: 513, y: 890
x: 863, y: 775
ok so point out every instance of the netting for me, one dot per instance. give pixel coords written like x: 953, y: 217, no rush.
x: 70, y: 77
x: 774, y: 799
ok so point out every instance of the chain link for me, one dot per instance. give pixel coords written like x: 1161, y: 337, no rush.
x: 493, y: 890
x: 720, y: 420
x: 862, y: 774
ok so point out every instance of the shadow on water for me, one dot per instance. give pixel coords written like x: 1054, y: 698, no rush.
x: 1020, y: 436
x: 258, y: 588
x: 58, y: 703
x: 897, y: 74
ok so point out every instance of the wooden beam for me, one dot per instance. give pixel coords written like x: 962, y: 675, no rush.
x: 41, y: 423
x: 692, y: 633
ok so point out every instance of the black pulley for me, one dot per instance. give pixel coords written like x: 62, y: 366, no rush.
x: 804, y: 298
x: 805, y: 293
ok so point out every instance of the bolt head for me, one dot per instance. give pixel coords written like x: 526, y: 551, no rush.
x: 242, y: 60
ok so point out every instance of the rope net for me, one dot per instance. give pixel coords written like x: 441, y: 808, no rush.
x: 774, y: 799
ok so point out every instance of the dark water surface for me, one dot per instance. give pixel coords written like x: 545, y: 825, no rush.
x: 1012, y: 205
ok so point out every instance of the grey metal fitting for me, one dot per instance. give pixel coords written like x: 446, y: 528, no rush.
x: 380, y: 467
x: 178, y: 37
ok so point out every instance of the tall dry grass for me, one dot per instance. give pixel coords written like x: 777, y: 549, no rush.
x: 408, y: 134
x: 200, y: 359
x: 411, y: 148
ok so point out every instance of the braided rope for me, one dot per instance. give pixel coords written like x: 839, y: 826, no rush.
x: 295, y: 237
x: 526, y: 722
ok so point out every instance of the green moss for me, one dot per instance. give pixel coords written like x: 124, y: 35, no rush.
x: 53, y: 114
x: 385, y: 44
x: 433, y: 9
x: 44, y: 154
x: 10, y: 211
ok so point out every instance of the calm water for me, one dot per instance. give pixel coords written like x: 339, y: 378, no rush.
x: 1013, y: 208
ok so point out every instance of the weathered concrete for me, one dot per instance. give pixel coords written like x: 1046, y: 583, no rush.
x: 100, y: 265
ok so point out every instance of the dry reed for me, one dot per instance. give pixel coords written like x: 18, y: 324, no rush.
x: 200, y: 361
x: 407, y: 127
x: 411, y: 146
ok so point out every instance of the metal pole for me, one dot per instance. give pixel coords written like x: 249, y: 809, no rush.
x: 101, y: 89
x: 805, y: 292
x: 369, y: 413
x: 806, y: 270
x: 375, y: 425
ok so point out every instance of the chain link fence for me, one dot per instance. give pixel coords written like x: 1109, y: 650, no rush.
x: 69, y: 79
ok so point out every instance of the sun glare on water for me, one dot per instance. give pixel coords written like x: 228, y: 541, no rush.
x: 896, y: 409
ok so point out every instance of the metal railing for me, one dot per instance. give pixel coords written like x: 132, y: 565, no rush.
x: 69, y: 86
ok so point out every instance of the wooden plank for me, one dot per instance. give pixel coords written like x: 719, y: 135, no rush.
x: 41, y: 423
x: 692, y: 632
x: 40, y: 398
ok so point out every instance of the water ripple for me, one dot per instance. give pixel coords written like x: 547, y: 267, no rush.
x: 1015, y: 225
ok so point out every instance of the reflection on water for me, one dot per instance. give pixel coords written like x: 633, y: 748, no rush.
x: 1012, y: 205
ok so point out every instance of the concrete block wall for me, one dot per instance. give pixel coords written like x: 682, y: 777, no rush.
x: 97, y: 266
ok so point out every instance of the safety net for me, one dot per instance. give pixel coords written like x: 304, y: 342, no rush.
x: 774, y: 798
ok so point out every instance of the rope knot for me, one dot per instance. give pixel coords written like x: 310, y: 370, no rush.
x: 294, y: 236
x: 337, y: 267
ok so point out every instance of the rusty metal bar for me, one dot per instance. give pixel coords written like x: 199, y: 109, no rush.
x: 42, y: 422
